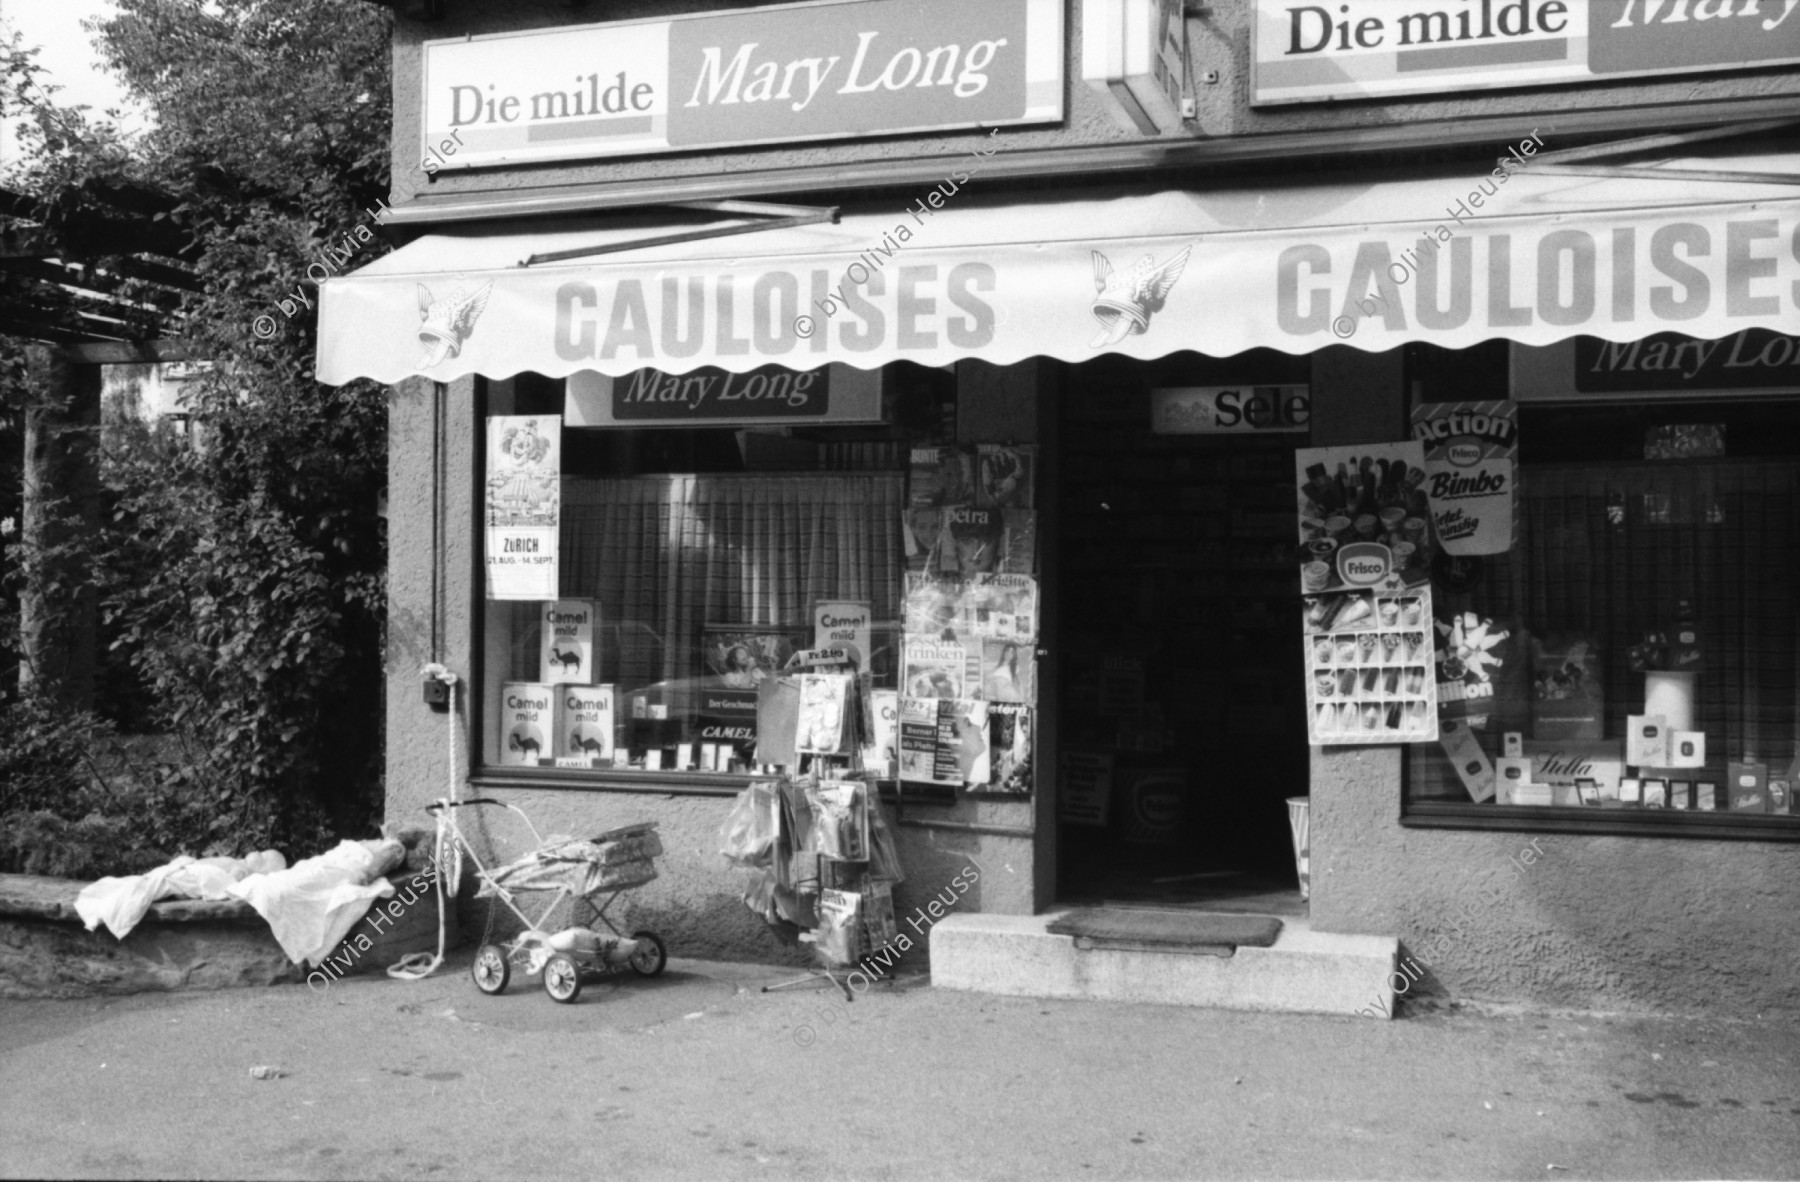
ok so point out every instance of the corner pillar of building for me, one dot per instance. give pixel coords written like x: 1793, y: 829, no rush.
x: 1358, y: 397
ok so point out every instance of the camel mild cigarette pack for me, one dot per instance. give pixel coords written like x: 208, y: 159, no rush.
x: 584, y: 722
x: 568, y: 642
x: 527, y: 722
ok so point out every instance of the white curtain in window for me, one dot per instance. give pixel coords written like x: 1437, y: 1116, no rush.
x: 668, y: 555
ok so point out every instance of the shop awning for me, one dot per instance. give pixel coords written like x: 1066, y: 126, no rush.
x: 1455, y: 259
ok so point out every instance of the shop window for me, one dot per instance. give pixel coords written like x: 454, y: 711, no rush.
x: 693, y: 564
x: 1648, y: 671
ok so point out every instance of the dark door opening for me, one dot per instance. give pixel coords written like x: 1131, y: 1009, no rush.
x: 1180, y: 644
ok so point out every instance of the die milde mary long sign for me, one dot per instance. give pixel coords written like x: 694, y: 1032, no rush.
x: 1352, y: 49
x: 714, y: 80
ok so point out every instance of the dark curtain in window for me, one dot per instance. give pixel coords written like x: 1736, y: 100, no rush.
x: 1610, y: 550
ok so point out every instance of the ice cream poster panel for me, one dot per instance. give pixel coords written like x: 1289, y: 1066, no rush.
x: 1471, y: 450
x: 524, y: 505
x: 1370, y: 671
x: 1365, y: 520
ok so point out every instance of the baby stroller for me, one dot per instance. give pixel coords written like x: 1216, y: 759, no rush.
x: 608, y: 864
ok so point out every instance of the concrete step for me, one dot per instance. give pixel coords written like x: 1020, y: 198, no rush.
x: 1303, y: 972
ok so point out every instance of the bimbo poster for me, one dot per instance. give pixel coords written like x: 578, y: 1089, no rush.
x: 1471, y: 452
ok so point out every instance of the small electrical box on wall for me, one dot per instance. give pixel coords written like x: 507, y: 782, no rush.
x: 437, y: 682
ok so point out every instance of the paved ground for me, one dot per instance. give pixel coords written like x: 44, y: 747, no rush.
x: 700, y: 1075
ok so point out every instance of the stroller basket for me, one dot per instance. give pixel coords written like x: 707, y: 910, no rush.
x: 614, y: 861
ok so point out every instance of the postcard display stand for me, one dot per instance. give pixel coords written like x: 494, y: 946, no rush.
x: 1365, y: 547
x: 966, y: 712
x: 833, y: 862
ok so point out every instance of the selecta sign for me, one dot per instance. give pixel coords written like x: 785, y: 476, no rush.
x: 726, y: 80
x: 1350, y: 49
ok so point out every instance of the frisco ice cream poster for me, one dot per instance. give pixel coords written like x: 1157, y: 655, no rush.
x: 1471, y: 450
x: 1365, y: 519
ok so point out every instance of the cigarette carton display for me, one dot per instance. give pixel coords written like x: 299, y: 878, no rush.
x: 1687, y: 749
x: 1470, y: 761
x: 585, y: 718
x: 527, y: 723
x: 1537, y: 795
x: 1656, y: 794
x: 1511, y: 774
x: 1781, y: 794
x: 1512, y: 744
x: 1647, y: 740
x: 1567, y: 762
x: 1748, y: 786
x: 1681, y: 794
x: 567, y: 642
x: 1706, y: 796
x: 1630, y: 790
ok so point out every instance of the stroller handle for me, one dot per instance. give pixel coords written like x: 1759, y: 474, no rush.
x: 438, y: 806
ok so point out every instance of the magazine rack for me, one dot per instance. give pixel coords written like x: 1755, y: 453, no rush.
x: 821, y: 767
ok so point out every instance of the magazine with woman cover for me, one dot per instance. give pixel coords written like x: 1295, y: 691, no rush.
x: 1008, y: 672
x: 944, y: 741
x: 939, y: 476
x: 925, y: 537
x: 975, y: 542
x: 1009, y: 749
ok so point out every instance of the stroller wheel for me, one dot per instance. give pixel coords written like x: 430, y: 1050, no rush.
x: 490, y: 970
x: 649, y: 962
x: 562, y: 980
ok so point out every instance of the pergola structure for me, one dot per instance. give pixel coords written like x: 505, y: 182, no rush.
x: 90, y: 278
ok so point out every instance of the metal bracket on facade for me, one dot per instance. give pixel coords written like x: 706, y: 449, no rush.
x: 1578, y: 161
x: 774, y: 217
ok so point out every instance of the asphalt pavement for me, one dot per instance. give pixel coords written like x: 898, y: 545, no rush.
x: 699, y: 1074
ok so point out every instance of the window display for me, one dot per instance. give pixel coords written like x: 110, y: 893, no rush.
x: 688, y: 567
x: 1640, y: 637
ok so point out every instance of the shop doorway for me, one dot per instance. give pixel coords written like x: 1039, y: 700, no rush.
x: 1181, y: 666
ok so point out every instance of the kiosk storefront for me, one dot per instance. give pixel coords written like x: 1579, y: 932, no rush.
x: 657, y: 452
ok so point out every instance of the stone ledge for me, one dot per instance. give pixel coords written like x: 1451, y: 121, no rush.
x: 33, y: 896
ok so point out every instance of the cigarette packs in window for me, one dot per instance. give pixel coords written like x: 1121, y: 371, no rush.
x: 527, y: 723
x: 584, y: 722
x: 567, y: 639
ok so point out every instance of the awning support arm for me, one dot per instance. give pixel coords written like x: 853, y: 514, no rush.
x: 774, y: 217
x: 1571, y: 161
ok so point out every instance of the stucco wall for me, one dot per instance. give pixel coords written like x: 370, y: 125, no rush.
x: 1600, y: 923
x: 1595, y: 923
x: 1219, y: 42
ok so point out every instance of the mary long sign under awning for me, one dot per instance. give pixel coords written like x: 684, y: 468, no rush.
x: 1375, y: 265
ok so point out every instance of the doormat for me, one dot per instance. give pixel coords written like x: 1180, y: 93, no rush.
x: 1172, y: 929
